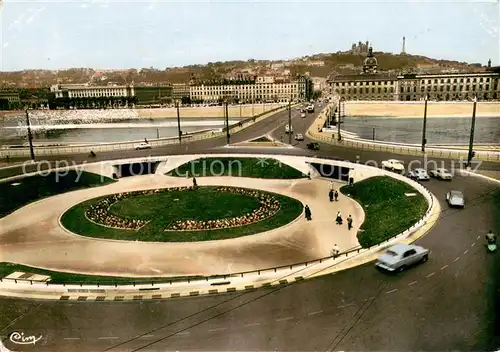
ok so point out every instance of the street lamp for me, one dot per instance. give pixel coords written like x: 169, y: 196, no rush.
x: 178, y: 120
x: 471, y: 138
x: 424, y: 140
x: 341, y: 101
x: 30, y: 136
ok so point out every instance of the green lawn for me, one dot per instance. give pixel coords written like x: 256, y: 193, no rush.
x: 16, y: 194
x: 161, y: 209
x: 388, y: 211
x: 58, y: 277
x: 237, y: 167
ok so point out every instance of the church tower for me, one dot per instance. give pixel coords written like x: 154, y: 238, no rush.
x: 403, y: 51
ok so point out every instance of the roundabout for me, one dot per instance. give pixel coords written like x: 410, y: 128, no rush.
x: 182, y: 214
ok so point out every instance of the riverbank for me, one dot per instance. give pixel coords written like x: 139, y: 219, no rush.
x: 416, y: 109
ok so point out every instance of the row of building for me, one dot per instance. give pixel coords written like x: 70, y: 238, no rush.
x: 374, y: 85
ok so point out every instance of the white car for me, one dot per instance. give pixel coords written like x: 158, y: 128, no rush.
x: 299, y: 137
x: 401, y: 256
x: 394, y: 165
x: 302, y: 114
x: 419, y: 175
x: 288, y: 129
x: 142, y: 145
x: 441, y: 174
x: 455, y: 199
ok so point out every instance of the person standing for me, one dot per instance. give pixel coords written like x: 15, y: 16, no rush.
x: 330, y: 195
x: 338, y: 219
x: 336, y: 195
x: 335, y: 250
x: 195, y: 184
x: 349, y: 222
x: 308, y: 213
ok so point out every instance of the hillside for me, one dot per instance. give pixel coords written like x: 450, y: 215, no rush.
x: 318, y: 65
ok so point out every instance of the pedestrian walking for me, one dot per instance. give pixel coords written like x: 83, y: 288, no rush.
x: 335, y: 250
x: 338, y: 219
x: 330, y: 195
x: 349, y: 222
x: 308, y: 213
x: 195, y: 184
x: 336, y: 195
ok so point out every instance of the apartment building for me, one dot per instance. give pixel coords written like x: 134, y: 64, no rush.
x: 261, y: 89
x: 91, y: 91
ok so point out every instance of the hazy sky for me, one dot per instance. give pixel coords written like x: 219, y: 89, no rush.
x: 121, y: 34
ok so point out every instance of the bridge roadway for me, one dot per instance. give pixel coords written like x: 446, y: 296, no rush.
x: 446, y: 304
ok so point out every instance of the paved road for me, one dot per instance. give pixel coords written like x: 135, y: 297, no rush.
x: 444, y: 304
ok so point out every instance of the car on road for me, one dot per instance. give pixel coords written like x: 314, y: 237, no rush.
x: 310, y: 108
x: 401, y: 256
x: 419, y: 175
x: 312, y: 146
x: 455, y: 199
x: 288, y: 129
x: 393, y: 165
x: 142, y: 145
x: 299, y: 137
x: 302, y: 114
x: 441, y: 174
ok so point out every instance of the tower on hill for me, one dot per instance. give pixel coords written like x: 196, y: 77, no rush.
x: 403, y: 51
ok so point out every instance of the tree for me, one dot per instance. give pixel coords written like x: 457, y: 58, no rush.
x: 186, y: 100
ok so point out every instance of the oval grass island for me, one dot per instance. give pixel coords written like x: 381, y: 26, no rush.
x: 181, y: 214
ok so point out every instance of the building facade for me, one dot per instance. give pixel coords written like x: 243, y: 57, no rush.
x: 262, y: 89
x: 180, y: 90
x: 71, y: 91
x: 157, y: 94
x: 372, y: 85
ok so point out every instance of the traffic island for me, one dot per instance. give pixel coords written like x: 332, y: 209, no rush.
x: 391, y: 206
x: 18, y: 193
x: 182, y: 214
x: 266, y: 168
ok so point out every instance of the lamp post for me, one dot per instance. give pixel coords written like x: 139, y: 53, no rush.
x: 30, y: 136
x: 178, y: 121
x: 338, y: 122
x: 290, y: 122
x: 227, y: 123
x: 471, y: 138
x: 424, y: 127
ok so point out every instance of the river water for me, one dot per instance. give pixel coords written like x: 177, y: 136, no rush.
x: 98, y: 129
x: 439, y: 131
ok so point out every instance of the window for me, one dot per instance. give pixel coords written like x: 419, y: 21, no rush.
x: 414, y: 89
x: 422, y: 89
x: 454, y: 80
x: 402, y: 90
x: 379, y: 90
x: 441, y: 88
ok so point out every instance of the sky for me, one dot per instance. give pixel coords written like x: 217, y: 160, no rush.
x: 37, y: 34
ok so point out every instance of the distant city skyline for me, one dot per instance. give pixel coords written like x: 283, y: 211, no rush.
x: 123, y: 34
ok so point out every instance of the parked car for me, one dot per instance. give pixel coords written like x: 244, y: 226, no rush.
x: 288, y: 129
x: 312, y: 146
x: 441, y: 174
x: 302, y: 114
x: 394, y: 165
x: 142, y: 145
x: 455, y: 199
x: 401, y: 256
x: 299, y: 137
x: 418, y: 175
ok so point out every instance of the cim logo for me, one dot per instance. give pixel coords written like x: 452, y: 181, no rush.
x: 19, y: 338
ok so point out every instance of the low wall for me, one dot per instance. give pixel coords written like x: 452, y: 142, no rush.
x: 234, y: 111
x: 205, y: 285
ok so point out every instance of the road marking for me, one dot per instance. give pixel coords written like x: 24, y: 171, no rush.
x: 183, y: 333
x: 465, y: 252
x: 316, y: 312
x: 478, y: 237
x: 412, y: 283
x: 72, y: 338
x: 431, y: 274
x: 217, y: 329
x: 147, y: 336
x: 253, y: 324
x: 444, y: 267
x: 107, y: 337
x: 283, y: 319
x: 472, y: 245
x: 347, y: 305
x: 391, y: 291
x: 457, y: 258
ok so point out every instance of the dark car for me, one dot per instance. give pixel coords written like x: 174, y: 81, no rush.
x: 313, y: 146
